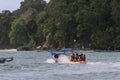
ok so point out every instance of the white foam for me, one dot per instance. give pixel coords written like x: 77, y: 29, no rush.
x: 116, y: 64
x: 50, y: 61
x: 63, y: 59
x: 8, y: 50
x: 97, y: 63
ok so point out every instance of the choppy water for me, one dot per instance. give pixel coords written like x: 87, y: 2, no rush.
x: 33, y: 65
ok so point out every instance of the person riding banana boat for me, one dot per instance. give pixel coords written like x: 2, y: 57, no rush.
x: 78, y: 58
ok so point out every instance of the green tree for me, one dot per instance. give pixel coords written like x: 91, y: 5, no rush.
x: 61, y: 22
x: 82, y: 19
x: 39, y: 5
x: 100, y: 20
x: 18, y: 35
x: 6, y: 19
x: 42, y: 25
x: 116, y: 23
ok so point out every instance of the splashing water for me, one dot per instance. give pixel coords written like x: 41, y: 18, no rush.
x: 50, y: 61
x: 61, y: 59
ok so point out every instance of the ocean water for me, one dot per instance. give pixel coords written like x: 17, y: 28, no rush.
x: 33, y: 65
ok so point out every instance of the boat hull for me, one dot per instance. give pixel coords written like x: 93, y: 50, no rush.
x: 81, y: 62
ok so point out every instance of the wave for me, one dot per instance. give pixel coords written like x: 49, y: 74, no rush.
x: 50, y: 60
x: 66, y: 59
x: 7, y: 50
x: 104, y: 63
x: 61, y: 59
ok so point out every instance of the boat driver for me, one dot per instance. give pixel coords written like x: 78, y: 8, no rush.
x: 56, y: 56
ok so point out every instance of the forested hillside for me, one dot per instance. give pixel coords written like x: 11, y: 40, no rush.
x: 91, y: 24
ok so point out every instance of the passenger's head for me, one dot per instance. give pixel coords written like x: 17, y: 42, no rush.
x: 76, y: 54
x: 81, y: 54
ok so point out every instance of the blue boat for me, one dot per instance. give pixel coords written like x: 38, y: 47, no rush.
x: 6, y: 59
x: 61, y: 51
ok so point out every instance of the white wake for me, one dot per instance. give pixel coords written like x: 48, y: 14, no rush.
x: 61, y: 59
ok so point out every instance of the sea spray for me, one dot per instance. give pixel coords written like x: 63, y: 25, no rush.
x: 50, y: 61
x: 115, y: 65
x: 63, y: 59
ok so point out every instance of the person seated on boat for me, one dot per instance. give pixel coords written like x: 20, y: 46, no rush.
x: 72, y: 57
x: 56, y: 56
x: 77, y: 57
x: 83, y: 57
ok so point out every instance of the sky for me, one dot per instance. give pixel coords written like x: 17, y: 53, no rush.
x: 10, y: 4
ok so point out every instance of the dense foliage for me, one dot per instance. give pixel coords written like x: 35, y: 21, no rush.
x: 91, y: 24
